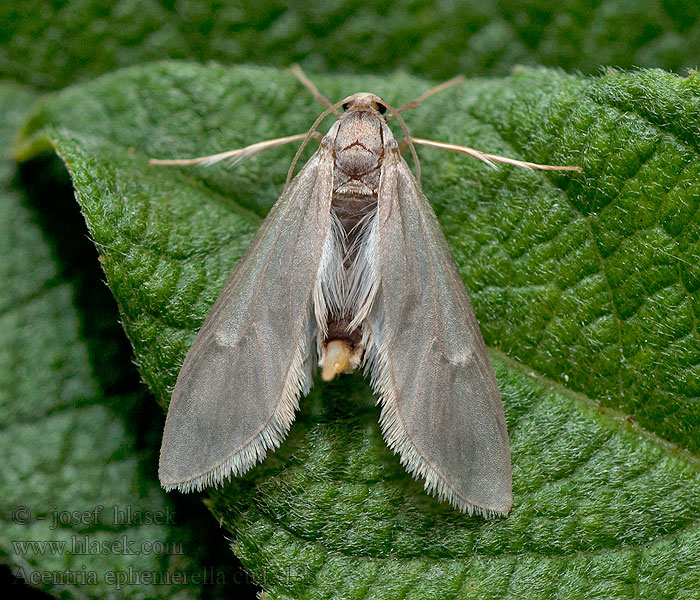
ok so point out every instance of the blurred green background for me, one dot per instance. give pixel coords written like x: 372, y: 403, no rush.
x: 49, y: 45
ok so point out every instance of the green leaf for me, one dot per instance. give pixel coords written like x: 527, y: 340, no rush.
x: 587, y: 284
x: 78, y: 474
x: 432, y: 39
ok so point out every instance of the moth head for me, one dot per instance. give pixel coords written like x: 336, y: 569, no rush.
x: 364, y: 102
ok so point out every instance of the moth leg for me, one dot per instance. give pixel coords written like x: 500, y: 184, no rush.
x: 431, y: 92
x: 492, y: 159
x: 308, y: 84
x: 238, y: 155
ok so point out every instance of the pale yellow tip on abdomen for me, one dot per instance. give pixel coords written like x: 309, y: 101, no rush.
x: 336, y: 360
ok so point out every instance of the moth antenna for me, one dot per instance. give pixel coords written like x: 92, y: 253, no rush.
x: 312, y: 133
x: 394, y: 113
x: 438, y: 88
x: 491, y: 159
x: 235, y: 156
x: 308, y: 84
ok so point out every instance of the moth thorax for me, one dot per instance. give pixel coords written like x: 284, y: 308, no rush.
x: 359, y: 149
x: 359, y: 143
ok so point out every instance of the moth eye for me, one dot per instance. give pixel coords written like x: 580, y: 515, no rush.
x: 346, y: 106
x: 381, y: 108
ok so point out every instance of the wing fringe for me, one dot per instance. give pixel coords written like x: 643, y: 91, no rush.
x: 376, y: 364
x: 297, y: 383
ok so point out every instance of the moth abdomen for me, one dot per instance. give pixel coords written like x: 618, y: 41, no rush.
x: 351, y: 209
x: 339, y: 329
x: 342, y: 348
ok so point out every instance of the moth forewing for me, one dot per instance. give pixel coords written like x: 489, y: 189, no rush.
x: 441, y: 408
x: 240, y: 384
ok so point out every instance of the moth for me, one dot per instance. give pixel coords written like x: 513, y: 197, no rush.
x: 350, y: 269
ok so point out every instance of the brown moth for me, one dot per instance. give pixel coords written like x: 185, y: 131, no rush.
x: 349, y: 269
